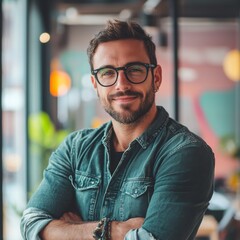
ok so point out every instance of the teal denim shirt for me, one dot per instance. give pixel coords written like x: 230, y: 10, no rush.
x: 165, y: 176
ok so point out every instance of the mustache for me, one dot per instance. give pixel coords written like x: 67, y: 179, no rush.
x: 125, y: 93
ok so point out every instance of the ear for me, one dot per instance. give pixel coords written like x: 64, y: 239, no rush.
x: 94, y: 82
x: 157, y: 77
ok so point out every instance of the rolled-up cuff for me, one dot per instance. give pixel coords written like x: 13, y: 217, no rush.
x: 32, y: 222
x: 139, y: 234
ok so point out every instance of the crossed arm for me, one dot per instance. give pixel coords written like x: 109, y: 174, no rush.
x: 71, y: 226
x: 182, y: 189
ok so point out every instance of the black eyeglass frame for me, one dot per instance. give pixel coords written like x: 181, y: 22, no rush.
x: 124, y: 68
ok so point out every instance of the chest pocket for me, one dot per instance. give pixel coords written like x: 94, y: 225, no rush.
x: 86, y: 191
x: 135, y: 188
x: 135, y: 197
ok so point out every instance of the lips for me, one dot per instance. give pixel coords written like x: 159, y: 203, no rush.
x: 125, y: 99
x: 125, y: 96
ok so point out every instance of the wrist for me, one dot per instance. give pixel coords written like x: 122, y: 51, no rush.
x: 103, y: 230
x: 109, y: 229
x: 116, y: 231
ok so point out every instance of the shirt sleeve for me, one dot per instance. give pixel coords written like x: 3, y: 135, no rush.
x: 137, y: 234
x: 56, y: 191
x: 32, y: 222
x: 53, y: 195
x: 182, y: 191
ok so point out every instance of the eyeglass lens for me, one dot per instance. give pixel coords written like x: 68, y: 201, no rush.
x: 135, y: 73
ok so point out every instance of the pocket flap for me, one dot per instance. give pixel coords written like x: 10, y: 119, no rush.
x: 83, y: 181
x: 135, y: 188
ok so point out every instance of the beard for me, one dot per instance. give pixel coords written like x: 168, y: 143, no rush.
x: 128, y: 116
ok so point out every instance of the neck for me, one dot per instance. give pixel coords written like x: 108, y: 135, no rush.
x: 124, y: 134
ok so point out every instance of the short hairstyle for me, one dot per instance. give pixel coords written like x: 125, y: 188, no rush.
x: 117, y: 30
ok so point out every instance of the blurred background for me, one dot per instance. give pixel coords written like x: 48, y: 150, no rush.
x: 46, y: 90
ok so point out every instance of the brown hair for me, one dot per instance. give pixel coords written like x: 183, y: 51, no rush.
x: 116, y: 30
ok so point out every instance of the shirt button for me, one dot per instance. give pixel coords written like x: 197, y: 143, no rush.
x: 92, y: 182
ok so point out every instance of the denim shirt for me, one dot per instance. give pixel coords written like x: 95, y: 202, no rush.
x: 165, y: 176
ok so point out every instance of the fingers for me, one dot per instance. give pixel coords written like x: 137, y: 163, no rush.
x: 135, y: 222
x: 71, y: 217
x: 120, y: 229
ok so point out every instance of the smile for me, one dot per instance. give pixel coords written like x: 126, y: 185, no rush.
x: 124, y: 98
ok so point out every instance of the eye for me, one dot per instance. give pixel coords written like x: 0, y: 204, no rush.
x: 106, y: 72
x: 136, y: 69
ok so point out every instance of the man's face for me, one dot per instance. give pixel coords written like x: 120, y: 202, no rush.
x: 124, y: 101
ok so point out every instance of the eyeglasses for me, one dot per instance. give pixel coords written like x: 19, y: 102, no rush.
x: 135, y: 73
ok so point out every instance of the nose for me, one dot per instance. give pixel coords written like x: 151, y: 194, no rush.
x: 122, y: 82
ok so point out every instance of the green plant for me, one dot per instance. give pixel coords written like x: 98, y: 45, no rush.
x: 230, y: 146
x: 43, y: 136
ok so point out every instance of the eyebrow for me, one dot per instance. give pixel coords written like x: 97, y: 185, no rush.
x: 106, y: 66
x: 111, y: 66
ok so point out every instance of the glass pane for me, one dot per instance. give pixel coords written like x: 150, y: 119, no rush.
x: 13, y: 99
x: 208, y: 93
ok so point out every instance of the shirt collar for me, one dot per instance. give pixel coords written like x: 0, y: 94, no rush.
x: 155, y: 128
x: 150, y: 133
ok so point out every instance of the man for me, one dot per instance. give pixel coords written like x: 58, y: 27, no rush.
x: 140, y: 176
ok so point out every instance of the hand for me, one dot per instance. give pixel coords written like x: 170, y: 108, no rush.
x: 72, y: 218
x: 69, y: 226
x: 120, y: 229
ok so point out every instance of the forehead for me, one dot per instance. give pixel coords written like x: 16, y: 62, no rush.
x: 120, y: 52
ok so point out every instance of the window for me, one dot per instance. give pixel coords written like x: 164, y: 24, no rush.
x: 13, y: 116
